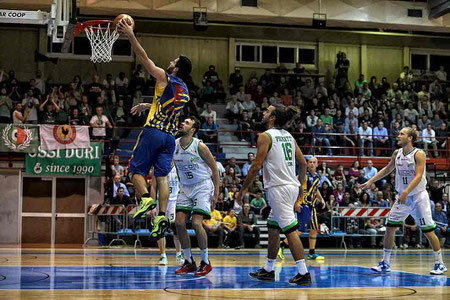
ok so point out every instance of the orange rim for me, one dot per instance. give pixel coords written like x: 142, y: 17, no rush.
x: 95, y: 24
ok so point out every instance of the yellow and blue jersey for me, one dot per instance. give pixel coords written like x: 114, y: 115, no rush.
x: 307, y: 218
x: 167, y: 105
x: 310, y: 186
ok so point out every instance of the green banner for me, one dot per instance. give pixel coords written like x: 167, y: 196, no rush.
x: 18, y: 138
x: 86, y: 161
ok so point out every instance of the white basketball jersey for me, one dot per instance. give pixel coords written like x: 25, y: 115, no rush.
x: 191, y: 167
x: 174, y: 185
x: 279, y: 166
x: 406, y: 170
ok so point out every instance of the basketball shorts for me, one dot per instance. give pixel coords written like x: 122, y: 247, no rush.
x: 282, y: 200
x: 418, y: 206
x: 307, y: 218
x: 153, y: 148
x: 170, y: 209
x: 196, y: 198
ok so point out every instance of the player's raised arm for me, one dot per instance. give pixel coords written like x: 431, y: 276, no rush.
x: 383, y: 172
x: 149, y: 65
x: 208, y: 158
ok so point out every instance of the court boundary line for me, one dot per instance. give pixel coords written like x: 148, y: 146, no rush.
x: 181, y: 279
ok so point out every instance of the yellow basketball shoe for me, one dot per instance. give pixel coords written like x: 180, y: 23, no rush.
x: 147, y: 203
x: 315, y: 257
x: 280, y: 253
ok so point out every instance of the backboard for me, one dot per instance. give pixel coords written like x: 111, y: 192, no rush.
x: 58, y: 19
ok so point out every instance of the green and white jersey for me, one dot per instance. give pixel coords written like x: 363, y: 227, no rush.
x: 279, y: 166
x: 405, y: 171
x: 174, y: 184
x: 191, y: 167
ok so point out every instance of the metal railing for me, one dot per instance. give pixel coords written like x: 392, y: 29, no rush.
x: 346, y: 221
x: 115, y: 220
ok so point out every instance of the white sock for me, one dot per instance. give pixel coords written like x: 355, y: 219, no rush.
x: 301, y: 266
x: 187, y: 255
x: 178, y: 253
x: 387, y: 255
x: 163, y: 255
x: 270, y: 265
x: 204, y: 254
x: 438, y: 257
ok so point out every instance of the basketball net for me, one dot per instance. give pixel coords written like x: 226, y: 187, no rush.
x: 102, y: 40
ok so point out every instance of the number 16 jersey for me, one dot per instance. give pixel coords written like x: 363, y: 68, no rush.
x: 279, y: 166
x: 191, y: 167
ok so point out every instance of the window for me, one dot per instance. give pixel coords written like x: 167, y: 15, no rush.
x: 287, y: 55
x: 122, y: 48
x: 251, y: 3
x: 81, y: 46
x: 419, y: 61
x: 250, y: 53
x: 55, y: 47
x: 269, y: 54
x: 439, y: 60
x: 272, y: 54
x: 238, y: 52
x: 415, y: 13
x: 307, y: 56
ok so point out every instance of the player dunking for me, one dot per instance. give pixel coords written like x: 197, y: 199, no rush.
x: 199, y: 189
x: 278, y: 154
x: 306, y: 210
x: 156, y: 143
x: 410, y: 183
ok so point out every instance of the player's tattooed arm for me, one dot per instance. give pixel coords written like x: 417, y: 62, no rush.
x: 301, y: 167
x: 263, y: 145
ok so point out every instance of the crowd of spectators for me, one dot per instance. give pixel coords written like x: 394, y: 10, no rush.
x: 366, y: 114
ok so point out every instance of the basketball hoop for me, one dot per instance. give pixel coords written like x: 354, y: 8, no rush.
x: 101, y: 34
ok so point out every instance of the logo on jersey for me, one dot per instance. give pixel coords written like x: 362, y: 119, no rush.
x: 190, y: 167
x: 406, y: 172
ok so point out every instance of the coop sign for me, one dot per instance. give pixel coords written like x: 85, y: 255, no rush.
x: 23, y: 16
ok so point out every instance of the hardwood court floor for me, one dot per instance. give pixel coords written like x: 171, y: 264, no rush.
x: 125, y: 273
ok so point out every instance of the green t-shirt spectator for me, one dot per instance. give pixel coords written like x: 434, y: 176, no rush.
x: 360, y: 83
x: 258, y: 203
x: 327, y: 119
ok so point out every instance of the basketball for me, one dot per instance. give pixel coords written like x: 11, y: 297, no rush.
x: 128, y: 19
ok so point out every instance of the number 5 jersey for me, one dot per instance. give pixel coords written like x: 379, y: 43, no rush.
x: 191, y: 167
